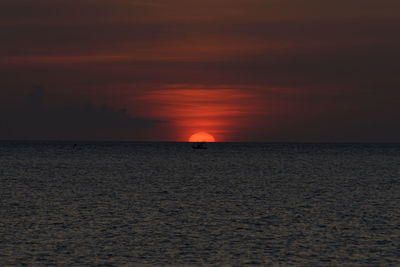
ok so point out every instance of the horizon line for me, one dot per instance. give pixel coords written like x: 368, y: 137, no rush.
x: 133, y: 141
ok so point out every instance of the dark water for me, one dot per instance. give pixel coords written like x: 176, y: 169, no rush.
x: 145, y: 204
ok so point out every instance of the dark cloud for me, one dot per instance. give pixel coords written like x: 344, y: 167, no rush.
x: 35, y: 120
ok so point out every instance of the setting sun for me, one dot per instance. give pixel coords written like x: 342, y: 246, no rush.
x: 201, y: 137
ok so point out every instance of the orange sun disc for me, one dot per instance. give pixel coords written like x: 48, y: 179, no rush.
x: 201, y: 137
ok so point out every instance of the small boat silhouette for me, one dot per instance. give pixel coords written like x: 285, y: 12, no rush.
x: 199, y: 145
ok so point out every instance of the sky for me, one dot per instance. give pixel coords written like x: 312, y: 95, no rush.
x: 161, y: 70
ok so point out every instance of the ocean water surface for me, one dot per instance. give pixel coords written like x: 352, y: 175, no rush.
x: 166, y: 204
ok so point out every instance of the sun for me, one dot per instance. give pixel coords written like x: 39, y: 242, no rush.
x: 201, y: 137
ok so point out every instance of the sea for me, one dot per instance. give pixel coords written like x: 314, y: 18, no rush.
x: 166, y: 204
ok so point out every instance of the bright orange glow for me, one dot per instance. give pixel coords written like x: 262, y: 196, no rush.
x: 201, y: 137
x: 223, y: 110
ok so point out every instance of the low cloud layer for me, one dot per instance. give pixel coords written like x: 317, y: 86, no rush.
x: 36, y: 121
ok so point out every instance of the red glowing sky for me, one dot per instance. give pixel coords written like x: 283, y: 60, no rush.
x: 243, y: 70
x: 194, y: 108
